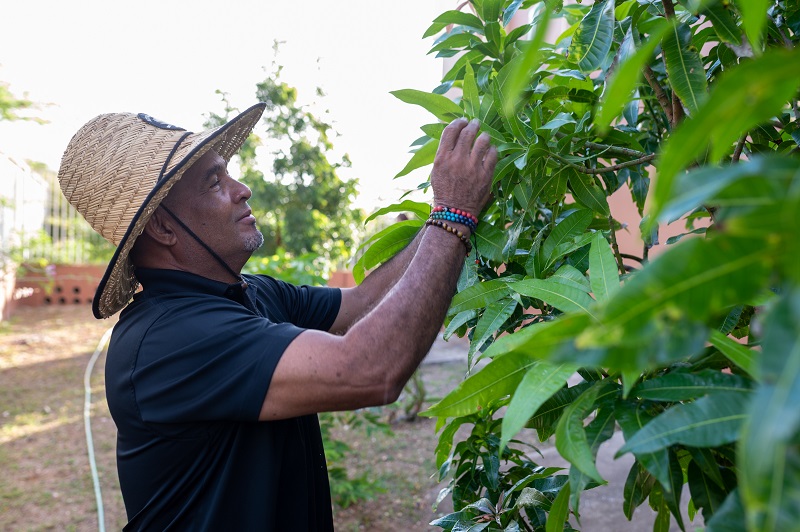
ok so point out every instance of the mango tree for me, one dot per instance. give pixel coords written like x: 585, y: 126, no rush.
x: 694, y: 354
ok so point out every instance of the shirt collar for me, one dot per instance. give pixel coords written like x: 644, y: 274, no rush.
x: 156, y: 281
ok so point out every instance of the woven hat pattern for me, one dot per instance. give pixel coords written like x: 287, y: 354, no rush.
x: 118, y: 168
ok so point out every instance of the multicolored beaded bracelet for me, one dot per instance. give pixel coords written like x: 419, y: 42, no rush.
x: 450, y: 229
x: 440, y: 212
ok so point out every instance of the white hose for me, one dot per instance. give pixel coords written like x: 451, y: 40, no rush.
x: 87, y: 424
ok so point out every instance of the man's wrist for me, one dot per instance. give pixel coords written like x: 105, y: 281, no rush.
x: 457, y: 229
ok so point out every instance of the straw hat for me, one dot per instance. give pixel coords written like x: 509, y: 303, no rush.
x: 117, y: 169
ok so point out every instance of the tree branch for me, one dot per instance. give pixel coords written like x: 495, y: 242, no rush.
x: 739, y: 147
x: 606, y: 169
x: 662, y: 97
x: 615, y: 246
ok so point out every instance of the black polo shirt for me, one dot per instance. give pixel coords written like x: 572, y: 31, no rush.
x: 188, y: 368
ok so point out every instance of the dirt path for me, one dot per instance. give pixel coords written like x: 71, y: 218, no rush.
x: 46, y: 482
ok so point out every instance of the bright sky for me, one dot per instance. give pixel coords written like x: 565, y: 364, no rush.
x: 167, y: 57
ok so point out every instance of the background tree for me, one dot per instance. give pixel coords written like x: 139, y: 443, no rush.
x: 695, y: 354
x: 303, y: 207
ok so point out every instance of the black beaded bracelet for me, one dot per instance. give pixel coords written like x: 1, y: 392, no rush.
x: 450, y: 229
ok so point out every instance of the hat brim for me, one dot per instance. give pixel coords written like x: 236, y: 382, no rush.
x: 119, y: 283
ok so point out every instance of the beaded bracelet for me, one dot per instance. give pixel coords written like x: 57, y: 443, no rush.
x: 450, y: 229
x: 440, y: 212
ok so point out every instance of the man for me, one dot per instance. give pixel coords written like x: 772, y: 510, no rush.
x: 213, y: 378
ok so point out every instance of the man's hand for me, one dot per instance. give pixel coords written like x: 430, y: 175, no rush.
x: 463, y: 167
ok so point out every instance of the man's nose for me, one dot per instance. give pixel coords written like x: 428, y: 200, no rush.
x: 241, y: 192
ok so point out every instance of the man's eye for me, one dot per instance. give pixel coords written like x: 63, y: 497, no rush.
x: 215, y: 184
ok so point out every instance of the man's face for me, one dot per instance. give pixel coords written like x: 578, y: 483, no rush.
x: 214, y: 206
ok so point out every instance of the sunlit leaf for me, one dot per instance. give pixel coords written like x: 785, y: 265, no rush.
x: 603, y: 272
x: 740, y: 99
x: 768, y: 453
x: 754, y: 20
x: 563, y: 297
x: 497, y: 379
x: 422, y: 157
x: 480, y: 295
x: 745, y: 358
x: 626, y: 76
x: 516, y: 74
x: 384, y: 245
x: 442, y: 107
x: 537, y: 386
x: 422, y: 210
x: 594, y: 36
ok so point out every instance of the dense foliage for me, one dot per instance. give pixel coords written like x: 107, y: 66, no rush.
x: 693, y: 354
x: 301, y: 203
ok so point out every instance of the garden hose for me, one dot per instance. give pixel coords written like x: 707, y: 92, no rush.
x: 87, y: 424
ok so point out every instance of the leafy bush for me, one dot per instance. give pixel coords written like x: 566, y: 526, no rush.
x: 694, y: 354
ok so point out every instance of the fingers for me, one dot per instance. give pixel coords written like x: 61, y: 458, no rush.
x: 467, y: 137
x: 451, y: 134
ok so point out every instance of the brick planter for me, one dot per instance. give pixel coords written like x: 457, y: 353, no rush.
x: 58, y: 284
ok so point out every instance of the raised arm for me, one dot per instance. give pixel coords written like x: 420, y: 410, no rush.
x: 371, y: 362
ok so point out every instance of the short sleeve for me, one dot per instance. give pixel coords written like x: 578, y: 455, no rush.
x: 308, y: 307
x: 209, y: 362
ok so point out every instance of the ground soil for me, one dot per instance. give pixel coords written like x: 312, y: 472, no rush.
x: 46, y: 481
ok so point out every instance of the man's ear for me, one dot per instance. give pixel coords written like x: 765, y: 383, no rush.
x: 161, y: 229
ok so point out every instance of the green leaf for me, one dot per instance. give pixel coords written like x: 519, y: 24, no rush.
x: 594, y: 36
x: 703, y: 186
x: 602, y: 269
x: 460, y: 18
x: 698, y: 277
x: 458, y: 320
x: 480, y: 295
x: 589, y: 193
x: 513, y: 78
x: 470, y: 97
x: 684, y: 69
x: 537, y: 386
x: 564, y: 298
x: 632, y: 417
x: 559, y: 510
x: 724, y: 23
x: 740, y: 99
x: 493, y: 318
x: 384, y: 245
x: 706, y: 494
x: 710, y: 421
x: 422, y: 157
x: 571, y: 440
x: 442, y: 107
x: 541, y: 340
x: 566, y: 230
x: 768, y: 454
x: 637, y: 487
x: 754, y: 20
x: 730, y: 517
x: 421, y: 210
x: 687, y: 386
x: 626, y: 76
x: 497, y: 379
x: 490, y: 241
x: 744, y: 357
x: 571, y: 276
x: 490, y: 10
